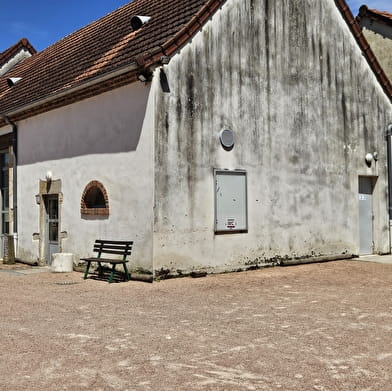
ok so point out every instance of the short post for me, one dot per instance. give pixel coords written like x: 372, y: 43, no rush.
x: 9, y: 250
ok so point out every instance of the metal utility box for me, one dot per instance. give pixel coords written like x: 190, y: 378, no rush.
x: 231, y: 214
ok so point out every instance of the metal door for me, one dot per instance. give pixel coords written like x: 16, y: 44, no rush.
x: 52, y: 226
x: 365, y: 216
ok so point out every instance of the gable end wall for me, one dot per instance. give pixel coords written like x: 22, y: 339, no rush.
x: 289, y: 79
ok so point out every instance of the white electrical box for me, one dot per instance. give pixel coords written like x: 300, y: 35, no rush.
x: 231, y: 214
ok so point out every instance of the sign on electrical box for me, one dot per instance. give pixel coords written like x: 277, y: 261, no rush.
x: 231, y: 214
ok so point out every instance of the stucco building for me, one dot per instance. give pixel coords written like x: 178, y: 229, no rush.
x: 216, y: 134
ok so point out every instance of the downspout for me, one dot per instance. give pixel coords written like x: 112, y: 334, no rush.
x: 15, y: 165
x: 389, y: 157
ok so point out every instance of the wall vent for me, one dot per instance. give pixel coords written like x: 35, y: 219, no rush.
x: 138, y: 21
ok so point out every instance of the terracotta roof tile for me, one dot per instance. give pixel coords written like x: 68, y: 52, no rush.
x: 97, y: 49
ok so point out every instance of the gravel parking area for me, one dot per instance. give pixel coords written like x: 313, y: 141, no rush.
x: 312, y: 327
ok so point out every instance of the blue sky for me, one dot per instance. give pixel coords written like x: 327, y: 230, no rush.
x: 44, y: 22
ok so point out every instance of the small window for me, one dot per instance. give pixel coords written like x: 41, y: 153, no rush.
x: 95, y: 201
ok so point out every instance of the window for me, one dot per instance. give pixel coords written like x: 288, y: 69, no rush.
x: 94, y: 201
x: 231, y: 214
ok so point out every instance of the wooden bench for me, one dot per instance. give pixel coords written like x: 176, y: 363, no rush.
x: 122, y: 248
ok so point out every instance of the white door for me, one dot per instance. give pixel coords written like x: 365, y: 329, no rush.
x: 365, y: 216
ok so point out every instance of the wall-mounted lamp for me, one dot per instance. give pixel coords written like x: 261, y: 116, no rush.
x: 49, y: 176
x: 375, y: 156
x: 38, y: 199
x: 369, y: 159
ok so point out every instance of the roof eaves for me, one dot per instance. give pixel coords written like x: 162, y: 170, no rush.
x: 364, y: 45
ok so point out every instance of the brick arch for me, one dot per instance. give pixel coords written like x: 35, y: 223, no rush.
x: 85, y: 210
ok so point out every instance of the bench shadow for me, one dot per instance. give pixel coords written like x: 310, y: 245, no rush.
x: 104, y: 275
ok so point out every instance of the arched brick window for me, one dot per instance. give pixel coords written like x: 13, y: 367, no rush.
x: 95, y: 201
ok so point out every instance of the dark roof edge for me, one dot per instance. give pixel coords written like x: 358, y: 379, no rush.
x: 182, y: 36
x: 364, y: 45
x: 365, y: 11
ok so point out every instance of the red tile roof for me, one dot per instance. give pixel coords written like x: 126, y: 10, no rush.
x: 107, y: 53
x: 104, y: 46
x: 14, y: 49
x: 381, y: 16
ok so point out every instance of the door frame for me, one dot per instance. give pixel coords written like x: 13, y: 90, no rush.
x: 48, y: 188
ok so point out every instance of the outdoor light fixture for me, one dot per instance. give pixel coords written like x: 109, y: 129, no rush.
x: 368, y: 159
x: 49, y: 176
x: 375, y: 156
x: 38, y: 199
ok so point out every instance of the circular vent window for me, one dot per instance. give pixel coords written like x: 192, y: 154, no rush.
x: 226, y: 138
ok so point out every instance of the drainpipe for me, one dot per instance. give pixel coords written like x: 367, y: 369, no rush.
x: 389, y: 152
x: 389, y: 157
x: 15, y: 165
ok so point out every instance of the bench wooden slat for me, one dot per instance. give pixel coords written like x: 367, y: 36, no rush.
x: 104, y: 260
x: 104, y: 245
x: 113, y: 242
x: 116, y: 252
x: 113, y: 247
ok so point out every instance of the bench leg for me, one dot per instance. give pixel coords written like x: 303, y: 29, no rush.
x: 112, y: 273
x: 100, y: 272
x: 87, y: 269
x: 127, y: 275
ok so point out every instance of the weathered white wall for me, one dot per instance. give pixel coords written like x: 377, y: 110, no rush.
x: 289, y: 79
x: 108, y: 138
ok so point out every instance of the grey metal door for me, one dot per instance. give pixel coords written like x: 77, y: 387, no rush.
x: 52, y: 226
x: 365, y: 216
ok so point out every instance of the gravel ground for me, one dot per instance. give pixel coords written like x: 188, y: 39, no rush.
x: 313, y: 327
